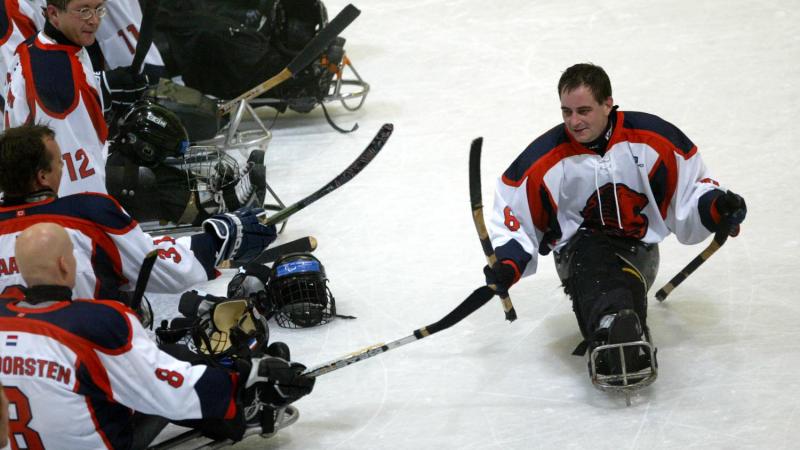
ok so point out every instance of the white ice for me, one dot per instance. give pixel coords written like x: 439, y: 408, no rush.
x: 401, y: 251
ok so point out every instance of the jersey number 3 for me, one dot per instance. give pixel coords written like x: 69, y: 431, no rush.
x: 19, y: 409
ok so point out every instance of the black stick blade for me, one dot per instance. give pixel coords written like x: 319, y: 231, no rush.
x: 351, y: 171
x: 325, y: 36
x: 144, y: 276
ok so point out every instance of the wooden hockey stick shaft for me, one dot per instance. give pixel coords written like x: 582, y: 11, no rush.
x: 719, y: 239
x: 472, y: 303
x: 306, y: 56
x: 476, y: 200
x: 351, y: 171
x: 304, y: 244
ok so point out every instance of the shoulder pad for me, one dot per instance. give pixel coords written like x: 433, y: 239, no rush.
x: 51, y: 73
x: 537, y: 149
x: 648, y: 122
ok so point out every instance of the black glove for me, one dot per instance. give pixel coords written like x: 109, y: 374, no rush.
x: 279, y: 382
x: 239, y: 235
x: 501, y: 275
x: 122, y: 88
x: 732, y: 210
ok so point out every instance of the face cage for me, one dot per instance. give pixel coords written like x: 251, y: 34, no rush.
x: 304, y: 309
x: 235, y: 328
x: 210, y: 171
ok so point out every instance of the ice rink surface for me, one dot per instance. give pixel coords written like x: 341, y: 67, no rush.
x: 401, y: 251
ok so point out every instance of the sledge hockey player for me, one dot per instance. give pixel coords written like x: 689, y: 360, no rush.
x: 154, y: 173
x: 19, y: 20
x: 83, y: 373
x: 109, y: 244
x: 601, y: 191
x: 53, y: 82
x: 118, y: 36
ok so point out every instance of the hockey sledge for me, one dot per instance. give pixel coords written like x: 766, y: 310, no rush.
x: 626, y: 383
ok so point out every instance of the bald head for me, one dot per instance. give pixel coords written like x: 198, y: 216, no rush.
x: 44, y: 255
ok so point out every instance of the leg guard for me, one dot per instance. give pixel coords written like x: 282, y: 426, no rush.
x: 600, y: 281
x: 602, y: 276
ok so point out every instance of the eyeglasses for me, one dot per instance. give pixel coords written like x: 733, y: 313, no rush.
x: 87, y: 13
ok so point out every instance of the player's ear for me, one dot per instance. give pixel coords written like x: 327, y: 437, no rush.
x: 51, y: 14
x: 608, y: 103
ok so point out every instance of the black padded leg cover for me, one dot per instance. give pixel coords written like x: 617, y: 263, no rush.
x: 601, y: 283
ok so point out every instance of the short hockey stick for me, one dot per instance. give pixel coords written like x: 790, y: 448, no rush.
x: 719, y: 238
x: 306, y: 56
x: 351, y: 171
x: 476, y: 199
x: 478, y: 298
x: 302, y: 245
x: 146, y: 31
x: 144, y: 276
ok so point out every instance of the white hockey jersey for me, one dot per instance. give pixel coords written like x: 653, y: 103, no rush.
x: 19, y: 20
x: 74, y: 371
x: 649, y: 183
x: 119, y: 33
x: 53, y: 84
x: 109, y: 248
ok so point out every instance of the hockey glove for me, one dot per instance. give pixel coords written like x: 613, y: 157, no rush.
x: 279, y: 382
x: 239, y: 235
x: 501, y: 275
x: 122, y: 88
x: 732, y: 210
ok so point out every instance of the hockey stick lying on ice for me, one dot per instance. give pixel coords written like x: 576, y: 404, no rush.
x: 471, y: 304
x: 351, y: 171
x: 303, y: 245
x: 478, y: 298
x: 476, y: 200
x: 719, y: 238
x: 314, y: 47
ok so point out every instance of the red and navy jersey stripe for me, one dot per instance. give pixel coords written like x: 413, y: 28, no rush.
x: 97, y: 216
x: 10, y: 15
x: 56, y: 81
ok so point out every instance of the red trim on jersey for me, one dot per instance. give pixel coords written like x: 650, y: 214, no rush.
x: 81, y: 88
x: 123, y: 311
x: 96, y: 423
x: 26, y: 205
x: 80, y: 346
x: 666, y: 154
x: 517, y: 273
x: 54, y: 307
x: 535, y: 179
x: 230, y: 413
x: 546, y: 162
x: 23, y: 23
x: 89, y: 229
x: 715, y: 215
x: 30, y: 86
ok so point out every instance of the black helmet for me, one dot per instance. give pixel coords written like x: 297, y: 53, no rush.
x: 299, y: 292
x: 149, y: 133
